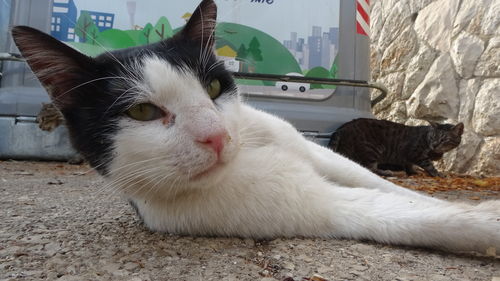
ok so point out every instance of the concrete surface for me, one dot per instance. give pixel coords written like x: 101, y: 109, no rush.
x: 57, y: 223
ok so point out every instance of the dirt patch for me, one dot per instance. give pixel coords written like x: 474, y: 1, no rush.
x: 59, y: 222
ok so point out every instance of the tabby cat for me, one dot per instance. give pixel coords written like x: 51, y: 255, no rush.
x: 165, y: 125
x: 378, y: 144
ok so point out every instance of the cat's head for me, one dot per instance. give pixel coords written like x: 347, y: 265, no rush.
x: 154, y: 114
x: 445, y: 137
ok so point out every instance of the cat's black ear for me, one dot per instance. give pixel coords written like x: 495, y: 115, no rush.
x: 459, y: 129
x: 58, y: 67
x: 201, y: 25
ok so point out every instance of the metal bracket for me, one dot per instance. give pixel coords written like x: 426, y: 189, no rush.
x: 11, y: 57
x: 313, y: 80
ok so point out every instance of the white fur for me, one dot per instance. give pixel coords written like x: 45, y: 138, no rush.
x: 270, y: 181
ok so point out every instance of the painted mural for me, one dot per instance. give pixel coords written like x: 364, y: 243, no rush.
x: 294, y: 37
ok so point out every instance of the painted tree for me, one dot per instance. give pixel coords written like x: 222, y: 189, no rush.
x: 254, y: 51
x: 242, y: 52
x: 146, y: 31
x: 335, y: 68
x: 86, y: 28
x: 92, y: 34
x: 162, y: 30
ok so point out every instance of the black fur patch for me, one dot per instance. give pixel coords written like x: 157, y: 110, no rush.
x: 92, y: 99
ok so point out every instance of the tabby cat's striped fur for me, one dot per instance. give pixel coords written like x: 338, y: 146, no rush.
x: 378, y: 144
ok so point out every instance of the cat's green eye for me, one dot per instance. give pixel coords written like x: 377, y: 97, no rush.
x: 145, y: 112
x: 214, y: 88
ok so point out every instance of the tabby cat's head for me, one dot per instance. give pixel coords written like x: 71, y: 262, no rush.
x: 153, y: 113
x: 445, y: 137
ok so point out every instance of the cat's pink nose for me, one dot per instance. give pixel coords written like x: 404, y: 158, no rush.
x: 215, y: 142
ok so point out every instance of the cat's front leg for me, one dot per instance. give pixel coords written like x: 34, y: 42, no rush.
x: 374, y: 168
x: 429, y: 168
x: 409, y: 169
x: 339, y: 169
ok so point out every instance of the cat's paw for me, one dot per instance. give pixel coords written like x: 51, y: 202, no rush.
x: 385, y: 173
x: 436, y: 174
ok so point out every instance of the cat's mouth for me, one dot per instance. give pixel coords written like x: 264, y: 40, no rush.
x: 211, y: 170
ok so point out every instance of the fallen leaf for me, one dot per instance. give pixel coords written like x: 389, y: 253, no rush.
x: 481, y: 183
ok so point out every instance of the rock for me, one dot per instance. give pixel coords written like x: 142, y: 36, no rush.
x: 376, y: 20
x: 324, y: 269
x: 249, y: 242
x: 488, y: 64
x: 434, y: 23
x: 459, y: 159
x: 470, y: 13
x: 435, y: 56
x: 465, y: 51
x: 491, y: 21
x: 486, y: 117
x: 397, y: 56
x: 137, y: 278
x: 396, y: 113
x: 388, y: 6
x: 52, y: 248
x: 407, y: 278
x: 416, y: 6
x: 416, y: 122
x: 489, y: 158
x: 111, y: 267
x: 437, y: 96
x: 394, y: 83
x: 359, y: 267
x: 131, y: 266
x: 438, y: 277
x: 305, y: 258
x: 317, y: 277
x: 467, y: 91
x: 397, y: 20
x: 289, y: 266
x: 417, y: 69
x: 362, y: 248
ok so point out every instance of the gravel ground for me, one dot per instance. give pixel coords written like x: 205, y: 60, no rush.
x: 58, y: 224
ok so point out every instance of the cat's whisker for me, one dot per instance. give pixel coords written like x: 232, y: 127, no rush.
x: 86, y: 83
x: 119, y: 179
x: 143, y: 186
x: 214, y: 65
x: 119, y: 97
x: 140, y: 162
x: 125, y: 184
x: 159, y: 179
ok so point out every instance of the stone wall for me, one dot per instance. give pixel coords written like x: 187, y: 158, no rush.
x: 440, y: 60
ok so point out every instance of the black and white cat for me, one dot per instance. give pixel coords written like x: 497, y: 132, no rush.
x: 165, y: 125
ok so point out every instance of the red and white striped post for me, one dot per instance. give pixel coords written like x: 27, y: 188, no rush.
x: 363, y: 17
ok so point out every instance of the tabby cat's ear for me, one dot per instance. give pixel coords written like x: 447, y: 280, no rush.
x: 58, y: 67
x: 201, y: 25
x: 459, y: 129
x: 433, y: 124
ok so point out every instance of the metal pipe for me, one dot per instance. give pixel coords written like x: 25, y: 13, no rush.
x: 275, y: 77
x: 313, y: 80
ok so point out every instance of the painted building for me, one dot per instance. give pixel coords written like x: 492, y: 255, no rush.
x: 103, y: 21
x: 63, y: 20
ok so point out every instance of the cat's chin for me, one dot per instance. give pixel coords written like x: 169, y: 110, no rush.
x: 211, y: 171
